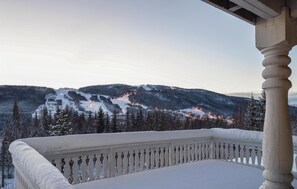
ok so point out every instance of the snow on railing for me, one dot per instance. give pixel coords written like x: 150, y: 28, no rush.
x: 33, y: 171
x: 83, y: 158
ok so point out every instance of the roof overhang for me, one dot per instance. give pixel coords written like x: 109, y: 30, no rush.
x: 251, y: 10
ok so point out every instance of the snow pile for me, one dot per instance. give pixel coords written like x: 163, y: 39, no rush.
x: 41, y: 172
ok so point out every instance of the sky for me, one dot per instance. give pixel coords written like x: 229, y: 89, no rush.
x: 77, y: 43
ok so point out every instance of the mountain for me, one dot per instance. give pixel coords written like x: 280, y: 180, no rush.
x: 29, y: 98
x: 119, y: 97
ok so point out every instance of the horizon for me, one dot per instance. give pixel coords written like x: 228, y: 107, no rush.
x: 187, y: 44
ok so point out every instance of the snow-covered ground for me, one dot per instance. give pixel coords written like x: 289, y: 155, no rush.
x: 208, y: 174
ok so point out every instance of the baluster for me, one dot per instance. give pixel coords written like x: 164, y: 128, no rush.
x: 67, y: 168
x: 142, y: 161
x: 191, y: 152
x: 241, y: 153
x: 217, y: 150
x: 119, y: 163
x: 247, y: 154
x: 196, y: 158
x: 111, y: 163
x: 59, y: 165
x: 75, y: 170
x: 88, y: 171
x: 137, y: 160
x: 152, y: 163
x: 259, y: 156
x: 200, y: 151
x: 176, y: 162
x: 125, y: 162
x: 231, y: 157
x: 206, y: 148
x: 91, y: 167
x: 180, y: 154
x: 185, y: 153
x: 203, y: 151
x: 131, y: 160
x: 253, y: 155
x: 226, y: 153
x: 84, y: 168
x: 162, y: 161
x: 147, y: 158
x: 105, y: 166
x: 167, y: 156
x: 188, y: 153
x: 157, y: 157
x: 221, y: 150
x: 98, y: 166
x: 236, y: 153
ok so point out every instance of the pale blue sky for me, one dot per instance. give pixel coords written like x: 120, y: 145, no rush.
x: 185, y: 43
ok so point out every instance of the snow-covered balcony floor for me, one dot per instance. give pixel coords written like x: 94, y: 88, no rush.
x: 207, y: 174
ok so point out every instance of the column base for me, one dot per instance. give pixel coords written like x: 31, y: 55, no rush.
x: 274, y: 185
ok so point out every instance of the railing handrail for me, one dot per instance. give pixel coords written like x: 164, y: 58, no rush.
x: 70, y: 143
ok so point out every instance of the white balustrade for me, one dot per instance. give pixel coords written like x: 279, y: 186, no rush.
x: 82, y: 158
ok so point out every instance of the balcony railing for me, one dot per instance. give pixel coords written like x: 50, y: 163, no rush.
x: 61, y: 162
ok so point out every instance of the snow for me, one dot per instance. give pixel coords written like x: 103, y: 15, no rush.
x: 207, y: 174
x: 93, y: 106
x: 195, y: 111
x: 182, y: 176
x: 36, y: 167
x: 62, y: 95
x: 89, y: 141
x: 124, y: 102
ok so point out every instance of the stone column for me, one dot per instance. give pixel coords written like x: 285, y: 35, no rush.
x: 275, y: 38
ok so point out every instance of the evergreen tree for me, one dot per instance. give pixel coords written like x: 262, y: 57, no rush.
x: 128, y: 123
x: 90, y: 124
x: 45, y: 122
x: 107, y: 123
x: 16, y: 122
x: 133, y: 121
x: 139, y: 120
x: 82, y: 124
x: 62, y: 126
x: 114, y: 122
x: 149, y: 123
x: 187, y: 124
x: 238, y: 117
x: 35, y: 129
x: 250, y: 116
x: 260, y: 112
x: 100, y: 121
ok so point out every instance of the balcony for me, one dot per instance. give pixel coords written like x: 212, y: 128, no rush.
x: 214, y: 158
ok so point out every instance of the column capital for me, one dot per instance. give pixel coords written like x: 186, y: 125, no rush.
x: 280, y: 30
